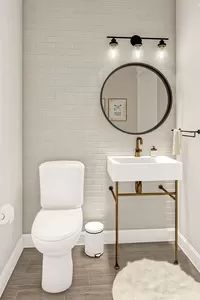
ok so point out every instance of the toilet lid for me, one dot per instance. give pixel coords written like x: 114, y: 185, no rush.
x: 56, y: 225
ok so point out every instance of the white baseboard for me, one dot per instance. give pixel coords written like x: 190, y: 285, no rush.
x: 189, y: 251
x: 140, y: 236
x: 10, y: 266
x: 27, y: 241
x: 125, y: 236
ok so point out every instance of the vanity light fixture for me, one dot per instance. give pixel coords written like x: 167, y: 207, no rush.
x: 136, y: 40
x: 162, y: 44
x: 113, y: 43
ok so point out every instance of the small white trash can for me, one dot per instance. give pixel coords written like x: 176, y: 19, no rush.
x: 94, y: 241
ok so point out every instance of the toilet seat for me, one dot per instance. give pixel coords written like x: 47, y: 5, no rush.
x: 57, y: 225
x: 55, y: 231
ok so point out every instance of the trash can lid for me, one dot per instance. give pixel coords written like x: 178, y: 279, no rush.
x: 94, y: 227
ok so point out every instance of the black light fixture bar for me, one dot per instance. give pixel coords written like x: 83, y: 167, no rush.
x: 143, y: 38
x: 118, y: 37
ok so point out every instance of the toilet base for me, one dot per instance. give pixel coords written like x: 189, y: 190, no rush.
x: 57, y: 272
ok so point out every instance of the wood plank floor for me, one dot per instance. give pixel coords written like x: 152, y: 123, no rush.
x: 93, y: 278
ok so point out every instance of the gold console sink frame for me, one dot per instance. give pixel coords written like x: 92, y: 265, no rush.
x: 116, y: 195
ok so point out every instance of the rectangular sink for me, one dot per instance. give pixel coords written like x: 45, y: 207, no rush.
x: 144, y: 168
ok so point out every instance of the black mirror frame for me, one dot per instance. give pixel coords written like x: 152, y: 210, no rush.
x: 166, y: 84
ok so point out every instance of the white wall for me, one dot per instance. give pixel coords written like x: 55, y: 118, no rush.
x: 10, y: 123
x: 188, y: 103
x: 65, y: 63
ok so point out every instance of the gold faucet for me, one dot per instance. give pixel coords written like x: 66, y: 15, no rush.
x: 138, y: 150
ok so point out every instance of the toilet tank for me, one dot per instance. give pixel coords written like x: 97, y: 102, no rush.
x: 61, y: 184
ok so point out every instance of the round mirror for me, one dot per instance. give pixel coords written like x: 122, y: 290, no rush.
x: 136, y: 98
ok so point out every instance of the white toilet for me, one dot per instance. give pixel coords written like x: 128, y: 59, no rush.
x: 57, y: 226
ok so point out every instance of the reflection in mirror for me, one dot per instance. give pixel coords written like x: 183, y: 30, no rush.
x: 135, y: 99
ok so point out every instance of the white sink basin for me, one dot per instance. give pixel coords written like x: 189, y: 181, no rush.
x: 144, y: 168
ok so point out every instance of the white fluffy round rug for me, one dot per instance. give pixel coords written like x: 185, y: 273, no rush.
x: 154, y: 280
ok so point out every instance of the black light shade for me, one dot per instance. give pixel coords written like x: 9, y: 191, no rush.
x: 136, y: 41
x: 113, y: 43
x: 162, y: 44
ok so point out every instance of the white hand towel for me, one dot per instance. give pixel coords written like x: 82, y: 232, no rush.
x: 177, y: 142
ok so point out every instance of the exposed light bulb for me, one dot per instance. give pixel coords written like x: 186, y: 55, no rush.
x: 161, y: 49
x: 113, y: 52
x: 161, y: 53
x: 137, y: 52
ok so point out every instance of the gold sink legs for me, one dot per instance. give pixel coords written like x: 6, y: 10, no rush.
x: 176, y: 223
x: 116, y: 198
x: 117, y: 227
x: 138, y: 186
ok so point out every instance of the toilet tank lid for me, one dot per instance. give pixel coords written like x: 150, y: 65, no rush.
x: 94, y: 227
x: 62, y: 163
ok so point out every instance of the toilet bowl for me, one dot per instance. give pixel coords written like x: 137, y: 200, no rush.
x: 57, y: 226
